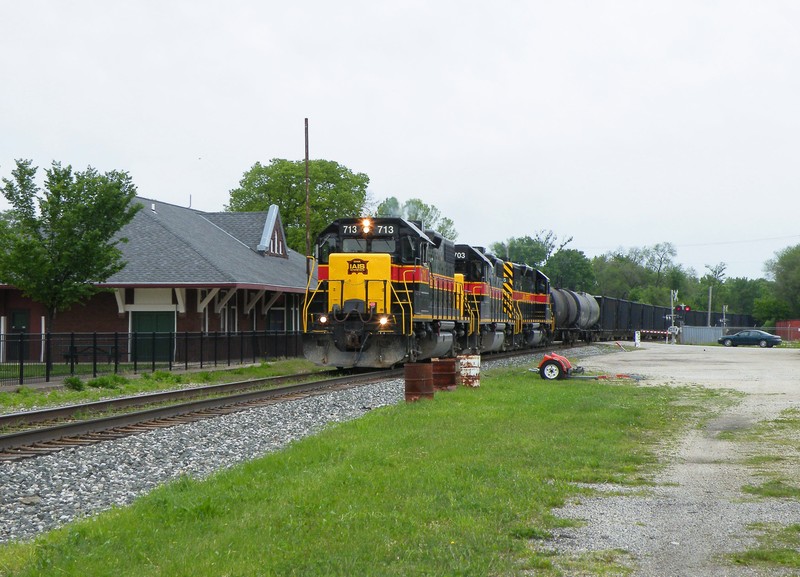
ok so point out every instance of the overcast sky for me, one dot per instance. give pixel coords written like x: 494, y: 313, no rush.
x: 618, y: 123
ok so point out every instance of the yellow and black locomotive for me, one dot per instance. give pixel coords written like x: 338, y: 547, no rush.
x: 390, y: 292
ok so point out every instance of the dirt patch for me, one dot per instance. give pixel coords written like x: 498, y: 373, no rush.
x: 697, y: 512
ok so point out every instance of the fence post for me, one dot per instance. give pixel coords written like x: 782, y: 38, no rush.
x: 94, y: 355
x: 201, y: 349
x: 21, y: 358
x: 216, y: 340
x: 72, y: 353
x: 153, y: 352
x: 186, y: 350
x: 48, y: 361
x: 116, y: 353
x: 135, y: 351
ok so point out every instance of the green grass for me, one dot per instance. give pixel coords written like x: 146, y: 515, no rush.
x: 121, y: 385
x: 778, y: 546
x: 775, y: 488
x: 458, y: 486
x: 777, y: 443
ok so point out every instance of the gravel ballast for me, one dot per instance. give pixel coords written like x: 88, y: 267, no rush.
x: 46, y: 492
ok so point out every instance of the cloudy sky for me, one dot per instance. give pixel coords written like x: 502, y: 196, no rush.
x: 619, y: 123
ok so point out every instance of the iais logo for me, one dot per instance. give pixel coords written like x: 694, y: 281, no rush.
x: 357, y: 266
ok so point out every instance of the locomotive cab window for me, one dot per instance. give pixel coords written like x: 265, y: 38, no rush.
x: 325, y: 248
x: 407, y: 250
x: 383, y: 245
x: 354, y: 245
x: 375, y: 245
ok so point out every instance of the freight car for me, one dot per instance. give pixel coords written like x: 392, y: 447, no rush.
x: 389, y: 291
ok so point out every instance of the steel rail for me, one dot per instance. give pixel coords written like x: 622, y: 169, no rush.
x: 49, y: 439
x: 77, y: 429
x: 69, y: 411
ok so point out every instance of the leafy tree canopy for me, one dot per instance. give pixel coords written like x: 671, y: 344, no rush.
x: 414, y: 209
x: 533, y: 251
x: 785, y: 270
x: 658, y: 260
x: 570, y: 268
x: 619, y: 274
x: 335, y: 191
x: 55, y: 244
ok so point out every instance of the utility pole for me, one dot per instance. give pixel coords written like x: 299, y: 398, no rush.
x: 308, y: 209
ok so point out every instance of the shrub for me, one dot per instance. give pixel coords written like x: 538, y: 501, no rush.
x: 74, y: 383
x: 163, y: 377
x: 107, y: 382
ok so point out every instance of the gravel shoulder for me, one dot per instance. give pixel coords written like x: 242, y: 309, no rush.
x: 696, y: 512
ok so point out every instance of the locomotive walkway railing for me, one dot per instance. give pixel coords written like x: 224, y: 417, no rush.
x: 29, y: 357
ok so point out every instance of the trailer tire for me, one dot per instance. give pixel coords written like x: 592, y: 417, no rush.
x: 551, y: 370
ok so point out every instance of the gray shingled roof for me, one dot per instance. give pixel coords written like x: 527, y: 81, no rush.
x: 173, y: 246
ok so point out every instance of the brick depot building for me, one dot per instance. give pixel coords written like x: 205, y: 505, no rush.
x: 186, y: 270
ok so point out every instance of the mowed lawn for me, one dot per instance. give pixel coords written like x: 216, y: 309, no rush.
x: 459, y: 485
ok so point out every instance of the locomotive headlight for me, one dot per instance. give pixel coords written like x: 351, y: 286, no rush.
x: 323, y: 319
x: 383, y: 321
x: 366, y: 225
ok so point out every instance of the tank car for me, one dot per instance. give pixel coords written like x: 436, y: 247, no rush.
x: 576, y: 315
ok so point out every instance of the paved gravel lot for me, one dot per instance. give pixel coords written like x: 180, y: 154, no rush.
x: 697, y: 512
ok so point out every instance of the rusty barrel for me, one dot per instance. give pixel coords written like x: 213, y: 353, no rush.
x: 470, y: 370
x: 419, y: 381
x: 444, y: 374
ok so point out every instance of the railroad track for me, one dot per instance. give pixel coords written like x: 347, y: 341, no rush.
x: 217, y: 400
x: 45, y: 431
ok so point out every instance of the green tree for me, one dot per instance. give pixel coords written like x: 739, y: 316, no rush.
x: 768, y: 309
x: 621, y: 275
x: 414, y: 209
x: 55, y: 245
x: 334, y: 192
x: 533, y: 251
x: 570, y: 268
x: 741, y: 293
x: 785, y: 270
x: 658, y: 259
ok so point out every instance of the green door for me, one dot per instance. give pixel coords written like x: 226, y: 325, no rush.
x: 153, y: 332
x: 20, y: 323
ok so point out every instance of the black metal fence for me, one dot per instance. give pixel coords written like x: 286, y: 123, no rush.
x: 28, y: 357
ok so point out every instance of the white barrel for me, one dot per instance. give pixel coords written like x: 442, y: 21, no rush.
x: 470, y: 370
